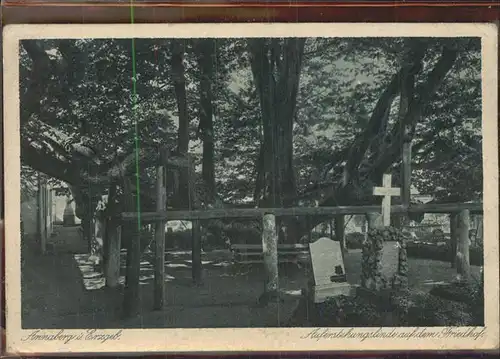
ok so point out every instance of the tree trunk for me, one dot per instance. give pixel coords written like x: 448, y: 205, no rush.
x: 276, y: 67
x: 112, y: 263
x: 99, y: 230
x: 86, y: 199
x: 42, y: 218
x: 406, y: 97
x: 85, y: 204
x: 132, y: 298
x: 340, y: 232
x: 112, y: 241
x: 196, y: 260
x: 159, y: 265
x: 206, y: 53
x: 405, y: 128
x: 453, y: 238
x: 179, y: 80
x: 87, y: 230
x: 276, y: 72
x: 109, y: 223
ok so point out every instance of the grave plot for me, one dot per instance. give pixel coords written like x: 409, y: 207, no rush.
x: 380, y: 295
x: 384, y: 297
x: 430, y: 299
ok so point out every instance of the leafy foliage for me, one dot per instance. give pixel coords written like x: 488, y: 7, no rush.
x: 83, y: 88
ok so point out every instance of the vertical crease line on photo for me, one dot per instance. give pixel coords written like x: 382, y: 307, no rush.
x: 136, y: 133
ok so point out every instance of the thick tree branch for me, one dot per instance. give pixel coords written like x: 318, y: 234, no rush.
x: 43, y: 159
x: 415, y: 108
x: 380, y: 114
x: 362, y: 143
x: 355, y: 192
x: 41, y: 153
x: 146, y: 157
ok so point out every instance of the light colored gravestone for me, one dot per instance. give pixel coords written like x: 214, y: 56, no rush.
x: 328, y: 270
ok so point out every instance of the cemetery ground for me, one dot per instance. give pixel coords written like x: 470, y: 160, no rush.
x: 61, y: 290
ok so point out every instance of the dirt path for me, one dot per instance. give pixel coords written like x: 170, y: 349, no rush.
x: 61, y: 290
x: 55, y: 293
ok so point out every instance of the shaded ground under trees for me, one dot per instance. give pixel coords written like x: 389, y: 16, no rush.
x: 55, y: 298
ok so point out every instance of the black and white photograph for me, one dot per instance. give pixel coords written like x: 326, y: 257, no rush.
x: 219, y: 178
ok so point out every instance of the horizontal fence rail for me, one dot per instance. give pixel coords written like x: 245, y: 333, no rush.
x: 475, y: 208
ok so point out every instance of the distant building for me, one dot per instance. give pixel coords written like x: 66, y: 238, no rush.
x: 41, y: 211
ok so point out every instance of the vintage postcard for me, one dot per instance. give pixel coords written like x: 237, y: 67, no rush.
x: 251, y: 187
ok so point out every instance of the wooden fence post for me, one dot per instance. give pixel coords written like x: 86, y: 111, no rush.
x: 196, y: 252
x: 463, y: 262
x: 132, y: 294
x: 453, y: 238
x: 132, y: 288
x: 159, y: 265
x: 113, y: 249
x: 270, y: 253
x: 309, y: 229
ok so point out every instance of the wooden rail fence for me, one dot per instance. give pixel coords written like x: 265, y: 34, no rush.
x: 459, y: 216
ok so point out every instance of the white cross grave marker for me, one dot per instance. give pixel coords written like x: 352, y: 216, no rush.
x: 387, y: 191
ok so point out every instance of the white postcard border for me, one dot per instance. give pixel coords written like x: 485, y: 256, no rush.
x: 238, y: 340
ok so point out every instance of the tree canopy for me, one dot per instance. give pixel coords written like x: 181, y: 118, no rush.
x: 270, y: 122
